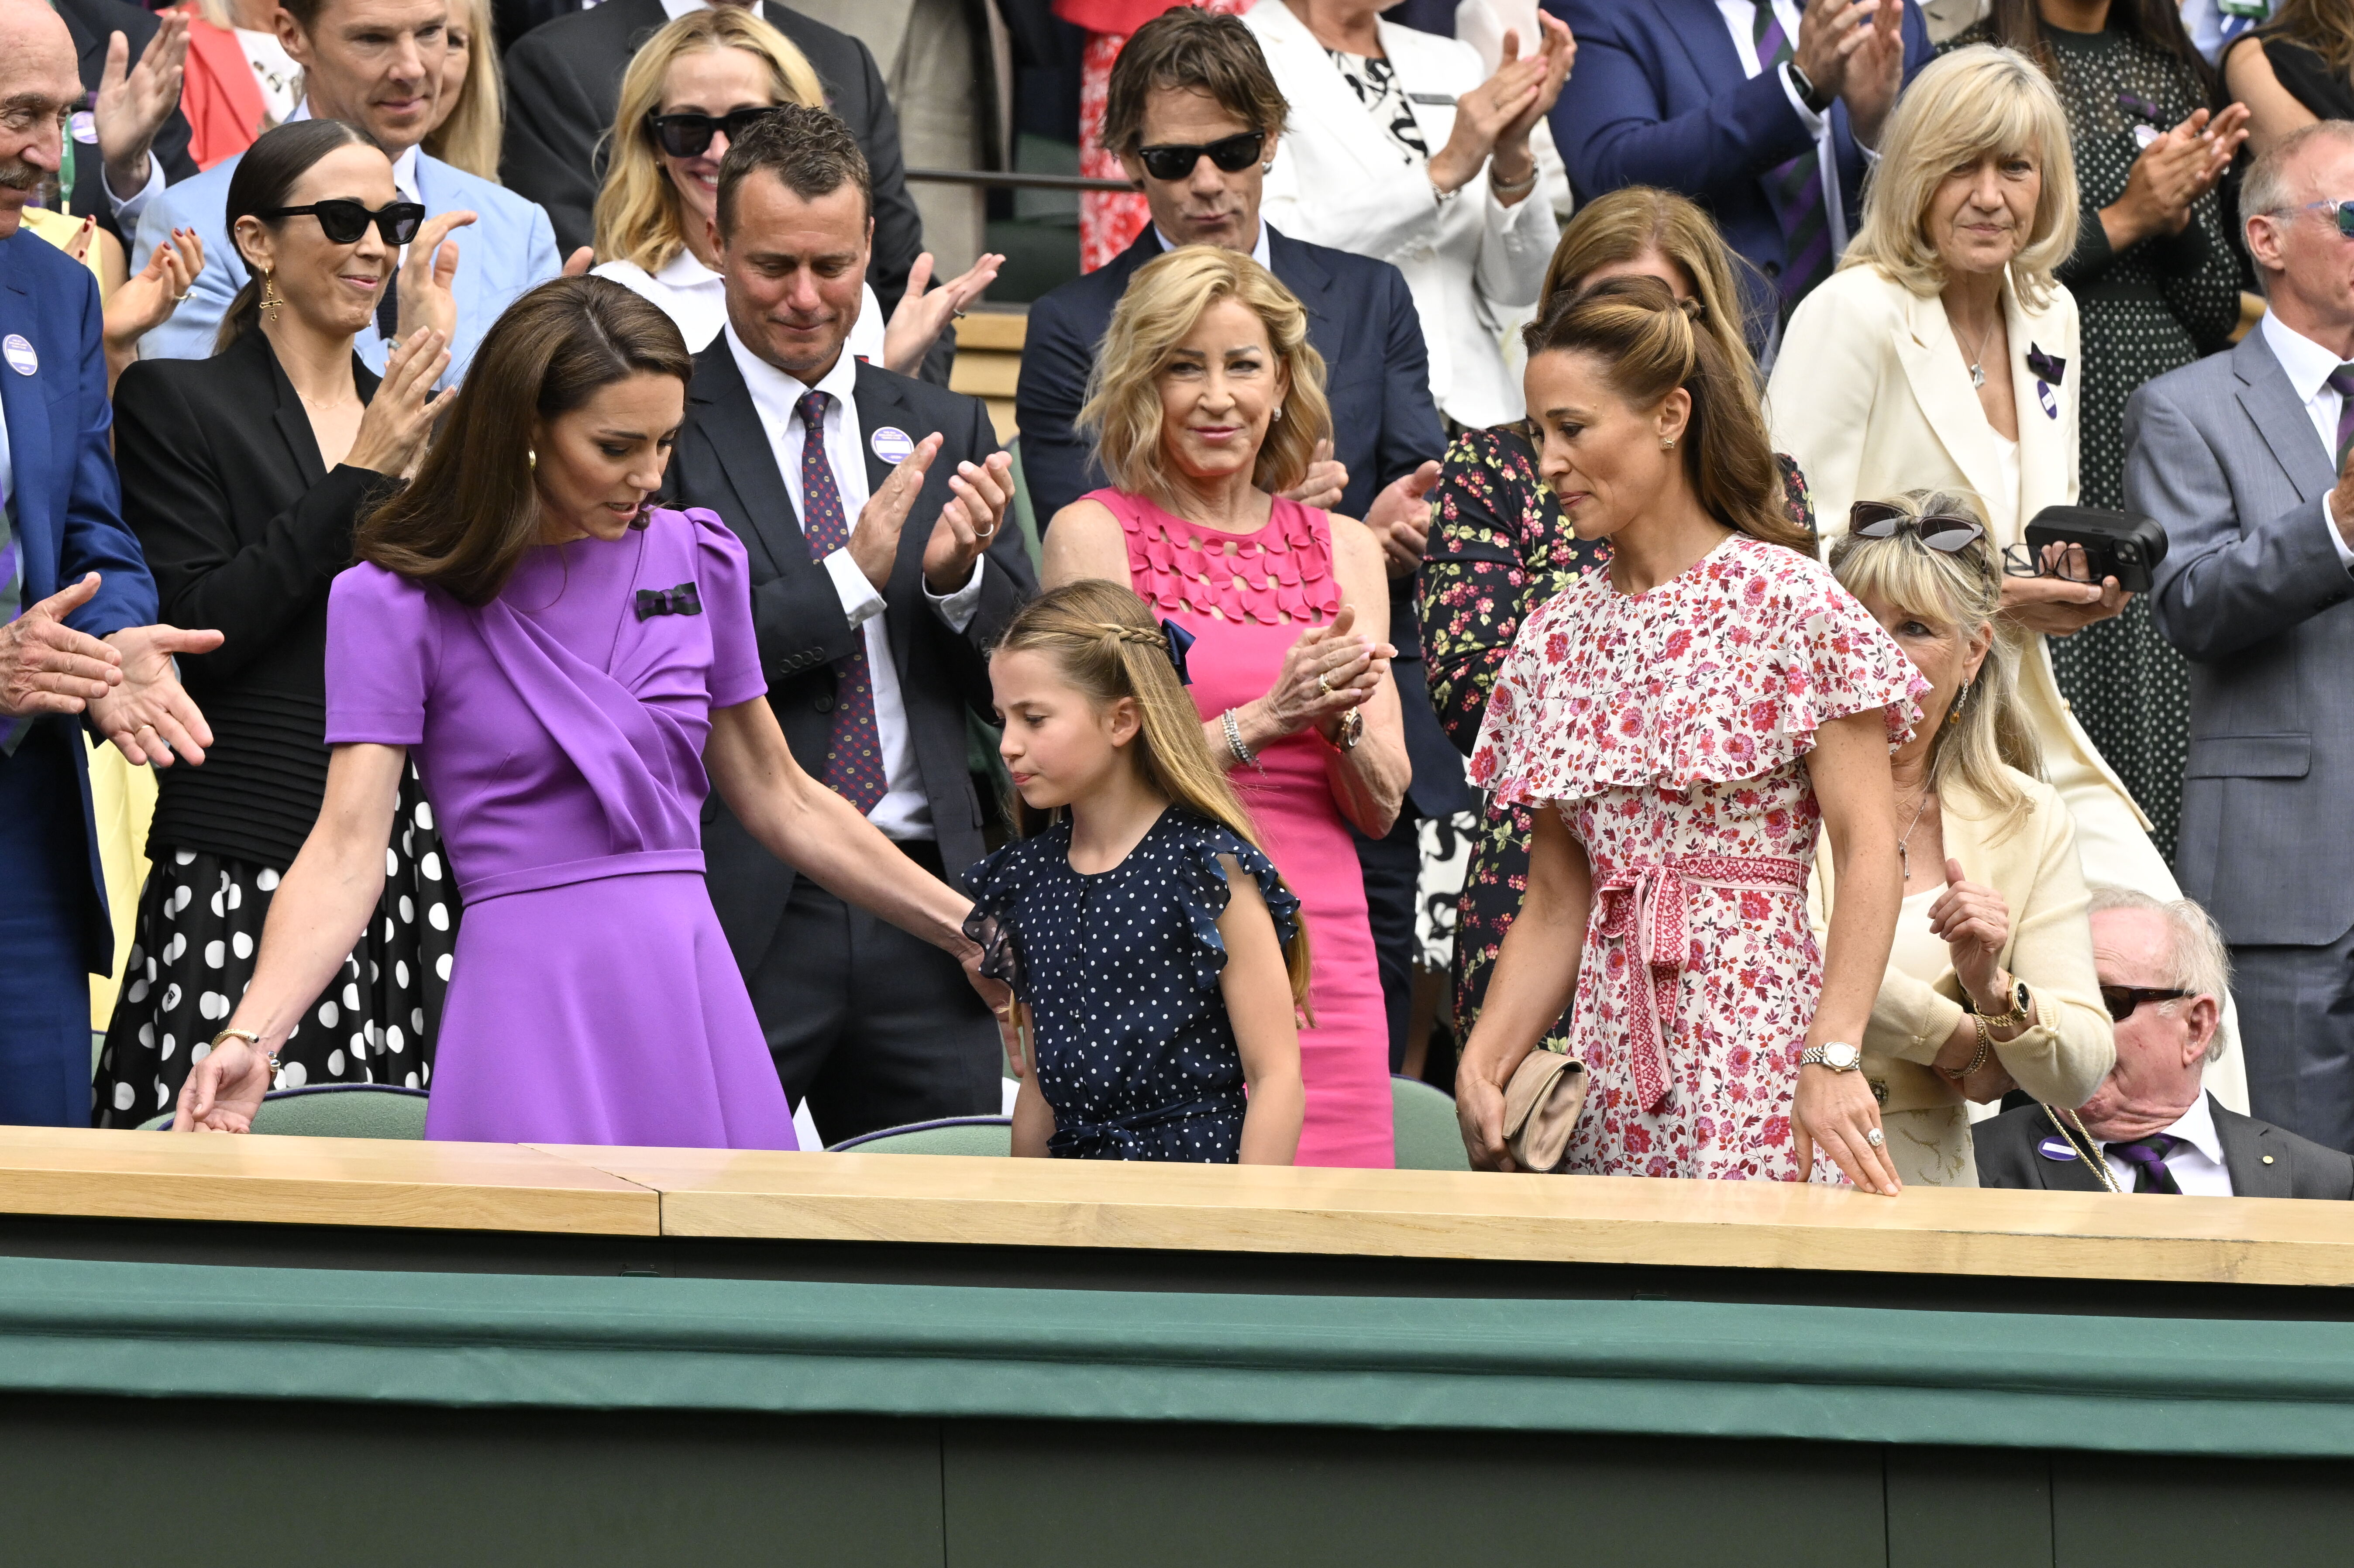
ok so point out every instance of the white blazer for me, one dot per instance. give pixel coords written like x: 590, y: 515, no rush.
x: 1473, y: 265
x: 1872, y: 397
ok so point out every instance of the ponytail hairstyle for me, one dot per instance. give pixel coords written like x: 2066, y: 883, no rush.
x: 1650, y: 343
x: 265, y: 175
x: 1103, y: 641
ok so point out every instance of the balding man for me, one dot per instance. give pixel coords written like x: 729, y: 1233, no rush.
x: 75, y: 607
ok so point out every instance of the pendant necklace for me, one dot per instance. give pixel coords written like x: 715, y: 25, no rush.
x: 1977, y: 361
x: 1904, y: 844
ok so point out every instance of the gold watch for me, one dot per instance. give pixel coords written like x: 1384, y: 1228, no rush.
x: 2022, y: 1008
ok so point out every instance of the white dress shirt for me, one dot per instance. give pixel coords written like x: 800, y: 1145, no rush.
x: 1741, y: 17
x: 2197, y: 1166
x: 903, y: 813
x: 2308, y: 367
x: 695, y: 297
x: 1259, y: 246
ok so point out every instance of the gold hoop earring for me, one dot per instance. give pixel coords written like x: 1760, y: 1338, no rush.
x: 531, y: 459
x: 271, y: 299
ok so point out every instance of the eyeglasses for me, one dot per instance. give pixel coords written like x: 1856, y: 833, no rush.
x: 343, y: 221
x: 2344, y: 210
x: 1232, y: 154
x: 1944, y: 532
x: 2064, y: 562
x: 689, y: 136
x: 2121, y: 1000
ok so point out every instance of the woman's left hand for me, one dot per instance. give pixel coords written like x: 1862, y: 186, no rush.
x: 924, y: 311
x: 1974, y: 923
x: 1559, y: 52
x: 147, y: 299
x: 425, y: 277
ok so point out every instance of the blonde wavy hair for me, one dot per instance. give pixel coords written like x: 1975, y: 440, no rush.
x: 1103, y: 640
x: 1164, y: 301
x: 470, y: 137
x: 639, y: 218
x: 1963, y: 106
x: 1635, y: 220
x: 1985, y: 735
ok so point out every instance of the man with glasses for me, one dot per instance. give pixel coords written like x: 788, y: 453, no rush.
x: 2243, y: 457
x: 375, y: 64
x: 2152, y: 1127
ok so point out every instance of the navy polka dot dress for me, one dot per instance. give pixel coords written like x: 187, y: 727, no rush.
x: 1120, y: 969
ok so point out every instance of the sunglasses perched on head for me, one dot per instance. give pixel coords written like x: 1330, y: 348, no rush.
x: 2342, y: 212
x: 2122, y: 1000
x: 1232, y: 154
x: 344, y: 220
x: 1944, y: 532
x: 689, y: 136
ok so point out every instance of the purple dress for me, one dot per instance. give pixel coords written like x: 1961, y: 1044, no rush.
x: 559, y: 732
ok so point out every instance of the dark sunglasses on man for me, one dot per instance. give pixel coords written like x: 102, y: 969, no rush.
x: 1943, y: 532
x: 1231, y: 154
x: 343, y: 221
x: 689, y: 136
x: 2122, y: 1000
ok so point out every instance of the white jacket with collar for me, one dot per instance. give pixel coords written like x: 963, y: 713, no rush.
x: 1473, y: 265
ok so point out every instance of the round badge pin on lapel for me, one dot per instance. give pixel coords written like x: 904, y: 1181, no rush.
x: 2057, y: 1149
x: 19, y: 353
x: 891, y: 443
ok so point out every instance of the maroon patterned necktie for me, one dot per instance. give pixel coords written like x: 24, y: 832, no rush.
x: 854, y: 753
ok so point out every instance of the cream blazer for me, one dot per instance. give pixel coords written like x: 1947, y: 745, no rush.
x: 1870, y: 395
x: 1473, y: 265
x: 2033, y: 865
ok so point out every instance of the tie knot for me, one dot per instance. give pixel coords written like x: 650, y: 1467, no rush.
x: 2341, y: 381
x: 2150, y: 1151
x: 813, y: 407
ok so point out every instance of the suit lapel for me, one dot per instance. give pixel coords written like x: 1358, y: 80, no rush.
x: 1933, y: 368
x: 26, y: 406
x: 2243, y: 1142
x: 2043, y: 435
x: 880, y: 406
x: 293, y: 424
x: 2061, y: 1175
x: 1699, y: 28
x: 724, y: 418
x: 2279, y: 418
x: 1318, y: 95
x: 1297, y: 266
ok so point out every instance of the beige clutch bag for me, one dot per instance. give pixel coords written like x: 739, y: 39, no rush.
x: 1541, y: 1106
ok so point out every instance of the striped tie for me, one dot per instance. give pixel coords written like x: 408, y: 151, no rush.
x: 2341, y: 381
x: 12, y: 593
x: 2146, y: 1156
x: 1795, y: 188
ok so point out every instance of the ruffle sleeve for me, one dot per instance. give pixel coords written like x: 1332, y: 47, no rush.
x: 1203, y: 891
x: 995, y: 884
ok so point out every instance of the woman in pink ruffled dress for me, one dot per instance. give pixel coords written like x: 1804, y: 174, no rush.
x: 1693, y: 717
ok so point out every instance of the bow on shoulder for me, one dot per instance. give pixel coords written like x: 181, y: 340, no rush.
x: 680, y: 600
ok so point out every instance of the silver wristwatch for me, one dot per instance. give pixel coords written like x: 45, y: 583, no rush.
x: 1837, y: 1055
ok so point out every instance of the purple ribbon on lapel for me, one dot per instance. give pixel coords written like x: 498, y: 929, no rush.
x: 2047, y: 367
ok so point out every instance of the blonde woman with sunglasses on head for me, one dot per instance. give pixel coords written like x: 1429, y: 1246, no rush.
x: 697, y: 85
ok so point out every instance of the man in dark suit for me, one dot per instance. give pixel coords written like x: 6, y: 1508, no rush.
x: 1740, y: 104
x: 2163, y: 971
x: 135, y: 140
x: 75, y: 604
x: 869, y: 505
x: 1190, y: 77
x: 564, y: 82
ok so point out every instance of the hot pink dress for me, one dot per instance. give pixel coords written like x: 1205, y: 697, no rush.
x: 1670, y: 728
x: 1246, y: 598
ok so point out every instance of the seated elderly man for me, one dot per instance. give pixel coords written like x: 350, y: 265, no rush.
x: 2162, y: 969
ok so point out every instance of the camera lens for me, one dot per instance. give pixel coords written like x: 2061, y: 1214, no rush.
x: 2129, y: 552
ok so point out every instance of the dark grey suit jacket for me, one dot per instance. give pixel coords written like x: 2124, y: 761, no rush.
x: 2265, y: 1160
x: 2222, y: 453
x: 723, y: 461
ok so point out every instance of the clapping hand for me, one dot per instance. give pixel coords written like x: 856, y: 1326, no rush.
x: 1558, y: 51
x: 875, y: 537
x: 132, y: 102
x: 1326, y: 673
x: 979, y: 495
x: 392, y: 432
x: 1484, y: 114
x: 425, y: 277
x: 1325, y: 483
x: 1400, y: 519
x: 150, y: 717
x: 925, y: 313
x: 146, y: 300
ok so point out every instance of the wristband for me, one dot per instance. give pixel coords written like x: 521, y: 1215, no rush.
x: 1243, y: 754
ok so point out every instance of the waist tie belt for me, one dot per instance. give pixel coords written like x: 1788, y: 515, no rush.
x: 1125, y: 1137
x: 1644, y: 906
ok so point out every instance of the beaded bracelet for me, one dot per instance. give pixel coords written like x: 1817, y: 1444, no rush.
x: 1243, y: 754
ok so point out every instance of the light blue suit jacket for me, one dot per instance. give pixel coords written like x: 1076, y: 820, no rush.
x: 509, y: 247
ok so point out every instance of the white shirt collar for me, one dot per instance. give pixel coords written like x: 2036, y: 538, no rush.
x: 1258, y: 247
x: 2306, y: 363
x: 2196, y: 1126
x: 404, y: 167
x: 675, y: 9
x: 683, y: 271
x: 776, y: 394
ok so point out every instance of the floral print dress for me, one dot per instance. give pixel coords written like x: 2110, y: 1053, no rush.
x: 1670, y: 728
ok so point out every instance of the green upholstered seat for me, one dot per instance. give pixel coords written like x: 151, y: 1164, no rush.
x: 335, y: 1110
x: 1427, y: 1138
x: 984, y: 1134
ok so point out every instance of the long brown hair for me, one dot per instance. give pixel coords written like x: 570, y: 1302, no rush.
x: 1103, y: 641
x: 474, y: 509
x: 2018, y: 24
x: 2324, y: 27
x: 260, y: 182
x: 1635, y: 220
x: 1650, y: 345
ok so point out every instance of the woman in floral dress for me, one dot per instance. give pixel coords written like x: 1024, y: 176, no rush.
x: 1692, y: 716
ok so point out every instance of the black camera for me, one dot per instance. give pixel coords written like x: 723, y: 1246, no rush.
x: 2091, y: 547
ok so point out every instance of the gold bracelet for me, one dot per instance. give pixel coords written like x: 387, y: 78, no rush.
x: 252, y: 1038
x: 1986, y: 1049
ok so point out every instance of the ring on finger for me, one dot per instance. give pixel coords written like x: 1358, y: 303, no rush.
x: 1875, y: 1138
x: 1324, y: 685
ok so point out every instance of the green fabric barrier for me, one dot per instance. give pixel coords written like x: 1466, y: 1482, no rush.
x: 1670, y: 1368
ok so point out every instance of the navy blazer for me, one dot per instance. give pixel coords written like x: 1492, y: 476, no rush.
x: 1661, y: 100
x: 1361, y: 318
x: 67, y: 504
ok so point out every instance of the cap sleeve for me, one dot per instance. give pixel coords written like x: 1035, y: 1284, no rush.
x: 383, y: 649
x: 1204, y: 892
x: 723, y: 578
x: 995, y: 882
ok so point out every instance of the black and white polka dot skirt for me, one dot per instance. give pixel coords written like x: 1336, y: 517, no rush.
x: 199, y: 933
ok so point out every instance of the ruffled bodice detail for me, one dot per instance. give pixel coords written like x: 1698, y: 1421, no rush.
x: 1282, y: 573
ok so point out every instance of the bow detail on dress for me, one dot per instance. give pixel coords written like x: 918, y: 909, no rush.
x: 680, y: 600
x: 2046, y: 368
x: 1643, y: 909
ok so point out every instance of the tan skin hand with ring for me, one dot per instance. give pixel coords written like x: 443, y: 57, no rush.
x: 392, y: 432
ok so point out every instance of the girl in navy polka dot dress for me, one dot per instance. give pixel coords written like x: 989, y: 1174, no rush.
x: 1157, y: 955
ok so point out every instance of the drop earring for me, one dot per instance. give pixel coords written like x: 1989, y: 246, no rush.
x: 271, y: 299
x: 531, y: 459
x: 1961, y: 701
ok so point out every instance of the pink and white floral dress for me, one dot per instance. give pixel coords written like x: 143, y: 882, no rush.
x: 1670, y: 728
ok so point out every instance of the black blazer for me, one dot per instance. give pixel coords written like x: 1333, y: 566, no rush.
x: 93, y: 23
x: 2265, y: 1160
x: 244, y: 528
x: 564, y: 85
x: 723, y: 461
x: 1361, y: 318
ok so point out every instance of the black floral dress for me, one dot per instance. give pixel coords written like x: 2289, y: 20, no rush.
x: 1500, y: 546
x: 2151, y: 308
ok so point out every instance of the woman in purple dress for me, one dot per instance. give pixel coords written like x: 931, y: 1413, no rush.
x: 567, y: 662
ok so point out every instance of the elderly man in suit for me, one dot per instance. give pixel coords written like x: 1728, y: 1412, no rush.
x: 1761, y: 111
x: 377, y: 65
x: 2162, y: 971
x: 2236, y: 456
x: 76, y: 602
x: 870, y: 505
x: 1194, y: 79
